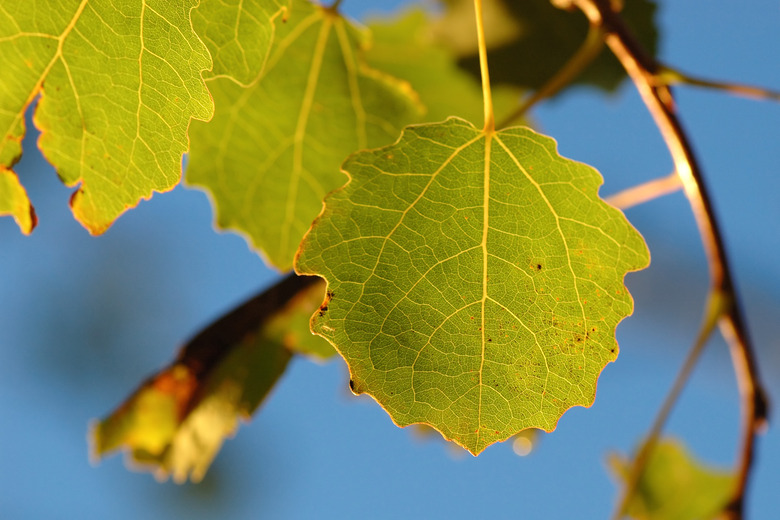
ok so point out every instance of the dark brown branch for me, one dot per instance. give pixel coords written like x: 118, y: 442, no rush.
x: 203, y: 352
x: 644, y: 72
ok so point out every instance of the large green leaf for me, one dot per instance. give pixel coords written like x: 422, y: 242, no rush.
x: 475, y: 280
x: 675, y: 486
x: 118, y: 84
x: 176, y: 421
x: 530, y: 40
x: 273, y: 150
x: 238, y: 34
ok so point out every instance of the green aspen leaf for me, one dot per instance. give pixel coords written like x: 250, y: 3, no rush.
x: 273, y: 149
x: 533, y: 39
x: 675, y: 486
x: 405, y: 48
x: 475, y: 279
x: 118, y: 84
x: 14, y: 201
x: 176, y: 421
x: 238, y: 34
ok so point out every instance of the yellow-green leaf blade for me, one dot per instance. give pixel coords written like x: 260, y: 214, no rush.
x: 480, y: 297
x: 176, y: 421
x: 676, y: 486
x: 273, y: 150
x: 118, y: 85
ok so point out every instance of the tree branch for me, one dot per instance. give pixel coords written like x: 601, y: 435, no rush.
x: 644, y: 72
x: 670, y: 76
x: 647, y: 191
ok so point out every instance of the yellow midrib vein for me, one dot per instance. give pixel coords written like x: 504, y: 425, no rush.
x: 485, y: 228
x: 300, y: 129
x: 354, y: 87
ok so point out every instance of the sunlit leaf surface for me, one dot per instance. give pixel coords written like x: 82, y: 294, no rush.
x: 675, y: 486
x: 274, y: 149
x: 176, y: 422
x: 474, y: 280
x: 118, y: 83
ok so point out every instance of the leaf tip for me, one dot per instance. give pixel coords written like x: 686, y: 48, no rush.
x: 15, y: 202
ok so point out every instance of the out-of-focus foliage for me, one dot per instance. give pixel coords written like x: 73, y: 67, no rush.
x: 273, y: 149
x: 176, y: 422
x: 406, y: 48
x: 529, y: 40
x: 675, y: 486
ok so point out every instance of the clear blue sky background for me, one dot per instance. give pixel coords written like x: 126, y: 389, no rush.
x: 83, y: 320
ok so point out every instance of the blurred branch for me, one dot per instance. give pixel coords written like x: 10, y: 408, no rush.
x: 669, y: 76
x: 645, y: 73
x: 647, y: 191
x: 210, y: 346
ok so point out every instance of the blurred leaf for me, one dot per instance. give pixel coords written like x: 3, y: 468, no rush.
x: 475, y: 279
x: 238, y: 34
x: 405, y: 48
x: 14, y: 201
x: 273, y: 150
x: 675, y: 486
x: 118, y: 83
x: 537, y: 39
x: 177, y: 420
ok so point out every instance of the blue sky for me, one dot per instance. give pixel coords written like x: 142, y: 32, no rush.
x: 84, y: 319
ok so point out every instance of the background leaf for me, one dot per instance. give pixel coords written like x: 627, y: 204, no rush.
x: 118, y: 85
x: 406, y: 48
x: 238, y: 34
x: 675, y: 486
x: 474, y: 281
x: 274, y: 149
x: 535, y: 39
x: 176, y: 422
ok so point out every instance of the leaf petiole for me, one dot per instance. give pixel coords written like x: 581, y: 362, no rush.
x: 487, y: 98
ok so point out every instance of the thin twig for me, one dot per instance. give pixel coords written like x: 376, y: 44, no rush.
x: 586, y: 53
x: 645, y: 192
x: 644, y: 71
x: 670, y: 76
